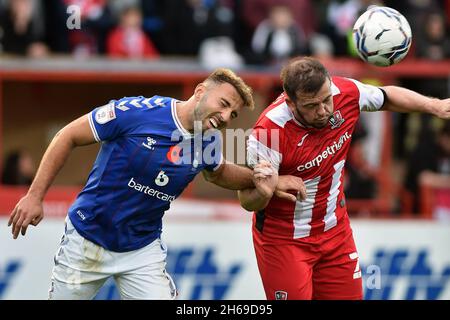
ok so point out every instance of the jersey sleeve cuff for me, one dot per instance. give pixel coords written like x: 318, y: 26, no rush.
x: 92, y: 125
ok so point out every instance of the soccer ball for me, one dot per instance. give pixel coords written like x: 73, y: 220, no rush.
x: 382, y: 36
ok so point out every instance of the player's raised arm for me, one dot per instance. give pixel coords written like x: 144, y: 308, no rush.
x: 400, y: 99
x: 29, y: 209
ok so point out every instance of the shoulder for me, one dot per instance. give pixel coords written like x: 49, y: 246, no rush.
x: 346, y: 93
x: 139, y: 111
x: 368, y: 97
x: 344, y: 86
x: 142, y: 103
x: 276, y: 115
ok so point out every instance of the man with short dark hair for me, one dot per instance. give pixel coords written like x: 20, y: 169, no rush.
x: 305, y: 249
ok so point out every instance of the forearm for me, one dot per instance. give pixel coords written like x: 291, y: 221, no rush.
x: 53, y: 160
x: 404, y: 100
x: 252, y: 200
x: 231, y: 176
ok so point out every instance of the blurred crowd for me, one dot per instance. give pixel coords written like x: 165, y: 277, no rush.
x: 233, y: 32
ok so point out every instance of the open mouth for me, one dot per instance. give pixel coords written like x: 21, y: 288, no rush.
x: 214, y: 123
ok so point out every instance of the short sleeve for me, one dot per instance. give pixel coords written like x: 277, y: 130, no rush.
x: 264, y: 144
x: 371, y: 98
x: 115, y: 118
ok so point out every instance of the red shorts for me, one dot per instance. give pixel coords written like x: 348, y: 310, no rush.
x: 324, y: 266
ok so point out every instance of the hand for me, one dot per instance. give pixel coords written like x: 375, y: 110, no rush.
x: 441, y: 108
x: 290, y: 183
x: 29, y: 210
x: 265, y: 178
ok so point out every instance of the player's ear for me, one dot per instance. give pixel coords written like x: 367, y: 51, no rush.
x: 199, y: 91
x: 290, y: 103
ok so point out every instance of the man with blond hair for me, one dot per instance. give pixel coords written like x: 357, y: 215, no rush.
x: 151, y: 149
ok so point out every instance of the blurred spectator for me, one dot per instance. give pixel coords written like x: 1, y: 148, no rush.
x: 57, y: 34
x: 361, y: 175
x: 21, y: 29
x: 278, y: 37
x: 189, y: 22
x: 153, y: 22
x: 117, y: 7
x: 429, y: 162
x: 439, y: 180
x: 255, y: 11
x: 415, y: 11
x: 128, y: 39
x: 433, y: 43
x: 152, y: 11
x: 96, y: 21
x: 18, y: 168
x: 321, y: 46
x: 219, y: 52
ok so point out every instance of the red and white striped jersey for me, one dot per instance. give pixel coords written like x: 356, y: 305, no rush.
x: 315, y: 155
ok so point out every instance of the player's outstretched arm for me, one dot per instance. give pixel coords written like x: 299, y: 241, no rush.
x: 404, y: 100
x: 29, y: 209
x: 230, y: 176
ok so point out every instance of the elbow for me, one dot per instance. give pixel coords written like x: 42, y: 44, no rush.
x: 250, y: 208
x: 243, y: 201
x: 250, y: 205
x: 247, y: 206
x: 210, y: 177
x: 64, y: 137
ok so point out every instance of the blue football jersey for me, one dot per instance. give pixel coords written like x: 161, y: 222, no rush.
x: 146, y: 160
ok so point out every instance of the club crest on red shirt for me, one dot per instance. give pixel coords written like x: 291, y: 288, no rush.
x: 281, y: 295
x: 336, y: 120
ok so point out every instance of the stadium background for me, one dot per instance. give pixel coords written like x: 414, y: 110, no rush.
x: 54, y: 74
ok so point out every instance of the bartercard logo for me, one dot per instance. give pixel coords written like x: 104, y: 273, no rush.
x: 150, y: 191
x: 329, y: 151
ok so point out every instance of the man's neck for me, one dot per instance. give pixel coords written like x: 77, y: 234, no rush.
x: 184, y: 113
